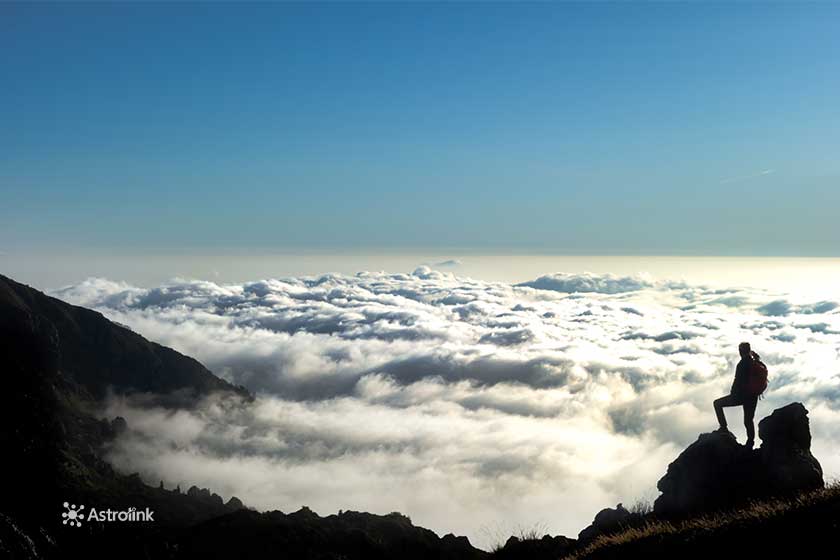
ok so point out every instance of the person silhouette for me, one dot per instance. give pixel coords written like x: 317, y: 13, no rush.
x: 739, y: 396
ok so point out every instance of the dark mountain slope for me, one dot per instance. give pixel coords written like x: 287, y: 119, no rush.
x: 56, y: 362
x: 100, y: 355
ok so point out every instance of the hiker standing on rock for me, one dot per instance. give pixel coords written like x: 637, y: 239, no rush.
x: 750, y: 382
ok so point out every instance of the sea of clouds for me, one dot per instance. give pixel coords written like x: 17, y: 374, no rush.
x: 474, y: 407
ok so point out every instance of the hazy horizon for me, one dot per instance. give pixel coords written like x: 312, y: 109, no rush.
x: 802, y: 277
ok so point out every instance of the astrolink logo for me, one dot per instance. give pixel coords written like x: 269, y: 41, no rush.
x: 74, y: 516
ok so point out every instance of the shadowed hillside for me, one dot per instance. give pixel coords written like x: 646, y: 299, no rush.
x: 99, y: 355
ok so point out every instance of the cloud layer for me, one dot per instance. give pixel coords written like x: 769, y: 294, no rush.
x: 462, y: 403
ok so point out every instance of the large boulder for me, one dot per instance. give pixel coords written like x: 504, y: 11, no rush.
x: 715, y: 472
x: 786, y: 451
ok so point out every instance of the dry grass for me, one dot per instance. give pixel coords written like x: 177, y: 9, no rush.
x: 755, y: 512
x: 498, y: 535
x: 536, y: 532
x: 641, y: 507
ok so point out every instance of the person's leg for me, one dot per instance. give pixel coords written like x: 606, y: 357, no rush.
x: 749, y: 415
x: 728, y: 400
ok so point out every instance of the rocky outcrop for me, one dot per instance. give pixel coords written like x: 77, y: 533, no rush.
x: 786, y: 451
x: 118, y: 425
x: 204, y: 495
x: 234, y: 504
x: 608, y: 521
x: 715, y: 472
x: 535, y: 549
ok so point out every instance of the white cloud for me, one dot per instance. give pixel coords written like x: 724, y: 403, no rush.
x: 462, y: 403
x: 588, y: 283
x: 738, y: 179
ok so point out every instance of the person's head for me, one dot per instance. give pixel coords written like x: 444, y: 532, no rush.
x: 745, y: 350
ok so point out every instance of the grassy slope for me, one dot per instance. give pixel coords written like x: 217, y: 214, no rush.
x: 807, y: 524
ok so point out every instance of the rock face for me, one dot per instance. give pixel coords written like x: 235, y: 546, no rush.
x: 715, y: 472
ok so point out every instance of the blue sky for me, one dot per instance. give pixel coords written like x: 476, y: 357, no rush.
x: 676, y: 129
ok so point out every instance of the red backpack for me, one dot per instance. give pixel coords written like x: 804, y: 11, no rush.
x: 757, y: 379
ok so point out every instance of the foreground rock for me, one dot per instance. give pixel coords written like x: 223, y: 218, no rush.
x: 786, y: 451
x: 715, y: 472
